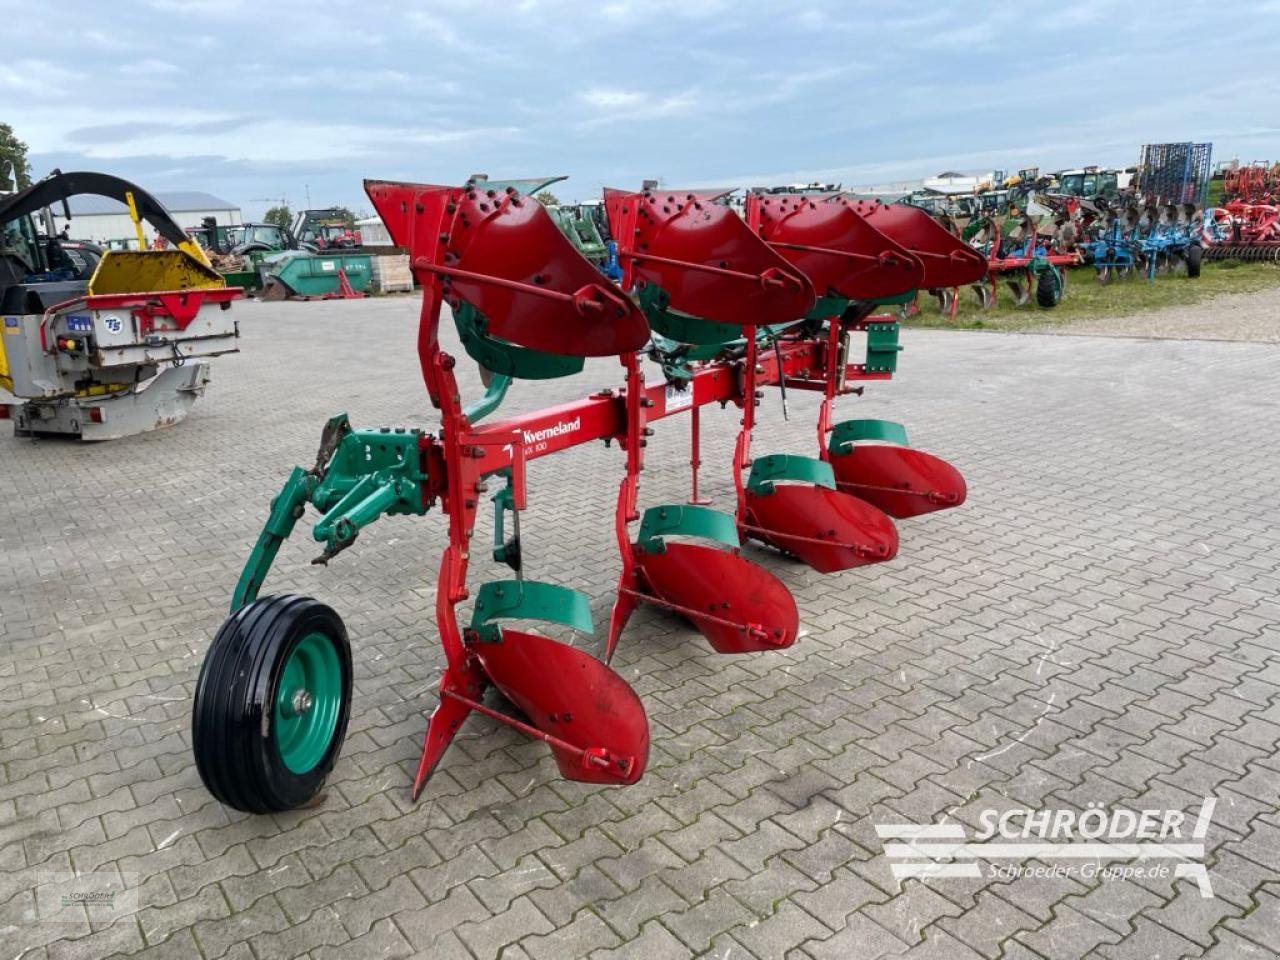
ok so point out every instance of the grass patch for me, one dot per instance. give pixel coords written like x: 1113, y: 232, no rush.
x: 1086, y: 299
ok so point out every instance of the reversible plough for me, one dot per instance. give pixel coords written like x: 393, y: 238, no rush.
x: 726, y: 305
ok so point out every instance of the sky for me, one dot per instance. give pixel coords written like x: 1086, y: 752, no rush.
x: 261, y: 101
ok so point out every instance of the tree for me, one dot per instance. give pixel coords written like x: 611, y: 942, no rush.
x: 547, y: 199
x: 13, y: 157
x: 280, y: 215
x: 348, y: 218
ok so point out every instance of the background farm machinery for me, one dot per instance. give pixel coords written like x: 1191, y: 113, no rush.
x: 327, y: 229
x: 1243, y: 231
x: 1028, y: 262
x: 1125, y: 240
x: 317, y: 258
x: 1031, y: 236
x: 726, y: 305
x: 99, y: 345
x: 1247, y: 224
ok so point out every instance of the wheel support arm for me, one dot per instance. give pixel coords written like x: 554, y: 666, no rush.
x: 286, y: 511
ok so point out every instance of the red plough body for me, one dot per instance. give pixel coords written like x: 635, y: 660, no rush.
x: 701, y: 253
x: 899, y: 480
x: 824, y: 236
x: 738, y: 606
x: 501, y: 254
x: 948, y: 260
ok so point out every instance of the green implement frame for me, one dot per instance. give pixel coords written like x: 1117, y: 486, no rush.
x: 359, y: 476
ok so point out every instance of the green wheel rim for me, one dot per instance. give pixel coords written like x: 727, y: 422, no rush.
x: 308, y: 700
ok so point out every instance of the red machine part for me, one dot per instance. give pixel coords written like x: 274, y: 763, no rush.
x: 1252, y: 222
x: 345, y: 291
x: 833, y: 245
x: 901, y: 481
x: 705, y: 257
x: 737, y: 605
x: 1252, y: 183
x: 827, y: 529
x: 948, y: 260
x: 503, y: 254
x: 589, y: 716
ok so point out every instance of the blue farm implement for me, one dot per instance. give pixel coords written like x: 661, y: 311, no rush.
x: 1175, y: 173
x: 1172, y: 241
x: 1114, y: 250
x: 727, y: 305
x: 1128, y: 240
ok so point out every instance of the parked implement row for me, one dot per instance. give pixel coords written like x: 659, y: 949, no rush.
x: 728, y: 305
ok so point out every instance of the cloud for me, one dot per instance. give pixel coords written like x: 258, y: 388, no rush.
x: 252, y: 100
x: 612, y: 105
x: 151, y: 67
x: 609, y: 98
x: 39, y: 77
x: 129, y: 131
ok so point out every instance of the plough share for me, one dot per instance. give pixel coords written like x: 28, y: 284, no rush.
x: 727, y: 305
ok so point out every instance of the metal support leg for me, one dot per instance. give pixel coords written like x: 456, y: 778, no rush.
x: 695, y: 454
x: 286, y: 510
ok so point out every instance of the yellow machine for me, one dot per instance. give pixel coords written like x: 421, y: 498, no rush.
x: 104, y: 348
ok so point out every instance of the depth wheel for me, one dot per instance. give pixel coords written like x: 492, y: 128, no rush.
x: 1048, y: 289
x: 1194, y: 254
x: 272, y: 704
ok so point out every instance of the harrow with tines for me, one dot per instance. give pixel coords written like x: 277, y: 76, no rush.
x: 1243, y: 231
x: 727, y: 305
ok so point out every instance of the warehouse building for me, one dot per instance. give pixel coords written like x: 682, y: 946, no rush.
x: 106, y: 221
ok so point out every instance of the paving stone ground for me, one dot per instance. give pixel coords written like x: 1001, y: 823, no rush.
x: 1098, y: 624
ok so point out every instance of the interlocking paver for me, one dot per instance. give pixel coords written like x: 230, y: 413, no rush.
x: 655, y: 942
x: 1096, y: 624
x: 703, y: 922
x: 859, y: 937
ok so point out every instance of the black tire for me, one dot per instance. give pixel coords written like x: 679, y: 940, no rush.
x: 1048, y: 289
x: 1194, y: 253
x: 232, y: 718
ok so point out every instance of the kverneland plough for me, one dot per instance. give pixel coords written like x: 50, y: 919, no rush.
x: 1030, y: 264
x: 727, y: 305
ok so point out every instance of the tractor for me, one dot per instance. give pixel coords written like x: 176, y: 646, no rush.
x: 328, y: 229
